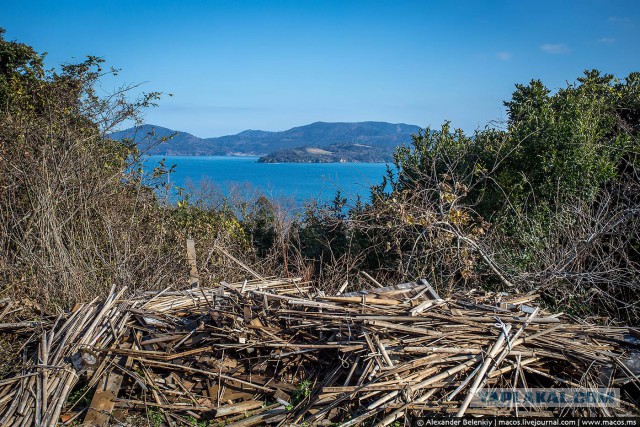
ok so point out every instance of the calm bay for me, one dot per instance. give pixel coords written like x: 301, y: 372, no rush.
x: 298, y: 182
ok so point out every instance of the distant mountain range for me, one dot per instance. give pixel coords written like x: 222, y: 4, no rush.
x: 316, y: 142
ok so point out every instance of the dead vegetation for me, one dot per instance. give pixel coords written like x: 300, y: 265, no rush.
x: 278, y: 351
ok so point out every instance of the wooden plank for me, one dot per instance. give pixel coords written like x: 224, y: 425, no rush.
x: 194, y: 277
x: 363, y: 299
x: 238, y: 408
x: 104, y: 401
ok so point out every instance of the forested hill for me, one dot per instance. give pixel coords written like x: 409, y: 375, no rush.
x: 381, y: 136
x: 152, y: 139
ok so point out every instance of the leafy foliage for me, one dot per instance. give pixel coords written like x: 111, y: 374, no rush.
x: 558, y: 185
x: 549, y: 200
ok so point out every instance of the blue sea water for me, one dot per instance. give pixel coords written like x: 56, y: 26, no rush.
x: 297, y: 182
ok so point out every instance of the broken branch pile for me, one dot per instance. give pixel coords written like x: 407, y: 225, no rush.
x: 277, y: 351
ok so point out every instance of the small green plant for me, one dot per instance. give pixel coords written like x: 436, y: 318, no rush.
x: 80, y: 397
x: 155, y: 417
x: 303, y: 391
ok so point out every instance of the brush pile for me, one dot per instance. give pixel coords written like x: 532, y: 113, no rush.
x: 276, y: 351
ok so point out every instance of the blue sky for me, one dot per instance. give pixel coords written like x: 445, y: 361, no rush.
x: 272, y: 65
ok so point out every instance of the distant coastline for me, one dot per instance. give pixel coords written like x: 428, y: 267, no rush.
x: 319, y: 142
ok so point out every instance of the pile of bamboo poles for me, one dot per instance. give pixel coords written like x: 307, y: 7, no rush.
x: 277, y: 351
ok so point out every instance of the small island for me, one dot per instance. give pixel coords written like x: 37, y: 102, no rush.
x: 335, y: 153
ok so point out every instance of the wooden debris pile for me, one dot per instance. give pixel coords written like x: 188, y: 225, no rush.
x: 276, y: 351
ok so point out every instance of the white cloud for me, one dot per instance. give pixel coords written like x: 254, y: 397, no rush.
x: 607, y: 40
x: 503, y: 56
x: 555, y: 49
